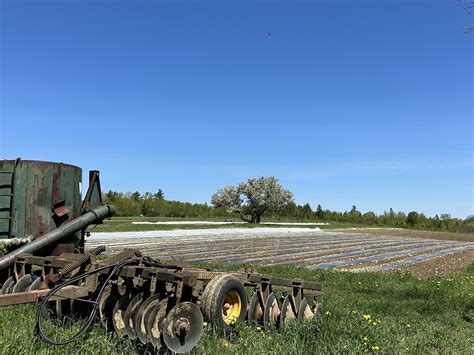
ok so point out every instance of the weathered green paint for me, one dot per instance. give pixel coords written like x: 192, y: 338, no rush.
x: 57, y: 235
x: 38, y: 188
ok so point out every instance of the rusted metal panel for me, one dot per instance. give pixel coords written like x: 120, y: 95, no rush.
x: 59, y: 234
x: 46, y: 195
x: 93, y: 196
x: 68, y: 292
x: 22, y: 297
x: 7, y: 176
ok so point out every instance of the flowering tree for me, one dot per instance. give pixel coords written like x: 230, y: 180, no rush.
x: 253, y: 198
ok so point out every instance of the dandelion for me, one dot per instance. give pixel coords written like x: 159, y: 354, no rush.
x: 408, y: 325
x: 366, y: 339
x: 375, y: 347
x: 374, y: 323
x: 327, y: 313
x: 258, y: 328
x: 224, y: 343
x: 204, y: 324
x: 353, y: 312
x: 366, y: 317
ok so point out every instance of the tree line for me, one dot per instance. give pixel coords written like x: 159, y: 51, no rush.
x: 156, y: 205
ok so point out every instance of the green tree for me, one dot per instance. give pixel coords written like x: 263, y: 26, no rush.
x: 160, y: 195
x: 319, y: 212
x: 136, y: 196
x: 251, y: 199
x: 412, y: 218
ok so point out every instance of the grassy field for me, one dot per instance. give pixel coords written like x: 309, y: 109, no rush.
x: 124, y: 224
x: 389, y: 313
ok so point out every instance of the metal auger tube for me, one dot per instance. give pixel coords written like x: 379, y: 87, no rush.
x: 58, y: 234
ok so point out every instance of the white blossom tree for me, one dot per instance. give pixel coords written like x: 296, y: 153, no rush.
x: 251, y: 199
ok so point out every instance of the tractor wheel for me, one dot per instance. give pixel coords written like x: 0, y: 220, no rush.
x: 226, y: 301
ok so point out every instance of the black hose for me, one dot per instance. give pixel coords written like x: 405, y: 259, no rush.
x: 90, y: 320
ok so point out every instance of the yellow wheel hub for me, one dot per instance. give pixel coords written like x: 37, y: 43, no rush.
x: 231, y: 307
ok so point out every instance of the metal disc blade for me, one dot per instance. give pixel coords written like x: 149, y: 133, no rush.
x: 37, y: 284
x: 271, y: 312
x: 106, y: 306
x: 154, y: 323
x: 8, y: 285
x: 130, y: 313
x: 318, y: 310
x: 102, y: 304
x: 24, y: 283
x: 287, y: 311
x: 140, y: 329
x: 118, y: 320
x: 63, y: 308
x: 305, y: 313
x: 256, y: 308
x: 148, y: 316
x: 182, y: 327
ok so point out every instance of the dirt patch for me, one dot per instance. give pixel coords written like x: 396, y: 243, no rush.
x: 444, y: 265
x: 400, y: 232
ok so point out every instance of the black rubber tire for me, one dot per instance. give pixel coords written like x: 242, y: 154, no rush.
x: 215, y: 297
x: 206, y: 295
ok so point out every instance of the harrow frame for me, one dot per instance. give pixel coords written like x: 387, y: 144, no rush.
x: 179, y: 284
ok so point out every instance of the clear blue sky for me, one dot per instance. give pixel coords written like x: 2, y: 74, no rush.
x: 366, y: 103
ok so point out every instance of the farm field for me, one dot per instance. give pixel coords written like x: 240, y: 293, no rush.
x: 364, y: 312
x: 408, y: 306
x: 311, y: 248
x: 130, y: 224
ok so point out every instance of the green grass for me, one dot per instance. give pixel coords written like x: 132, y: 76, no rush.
x: 412, y: 315
x: 124, y: 224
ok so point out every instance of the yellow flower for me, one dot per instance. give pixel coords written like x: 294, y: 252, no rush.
x: 366, y: 316
x: 376, y: 347
x: 258, y: 328
x: 327, y: 313
x: 366, y: 339
x: 374, y: 323
x: 204, y: 324
x: 354, y: 312
x: 408, y: 325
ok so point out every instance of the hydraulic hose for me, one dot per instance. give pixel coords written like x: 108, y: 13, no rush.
x: 90, y: 319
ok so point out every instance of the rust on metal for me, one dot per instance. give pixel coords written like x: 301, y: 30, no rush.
x: 22, y: 297
x: 168, y: 300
